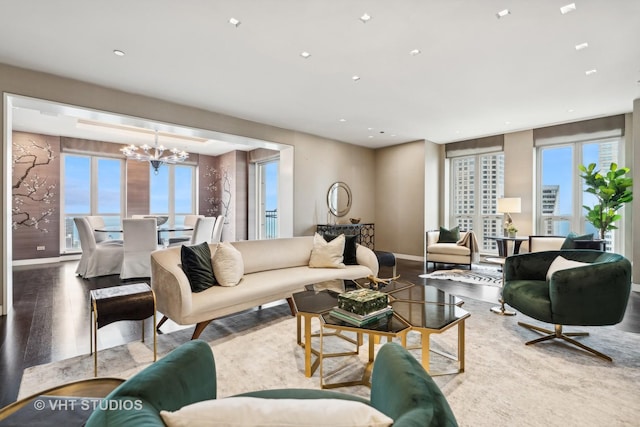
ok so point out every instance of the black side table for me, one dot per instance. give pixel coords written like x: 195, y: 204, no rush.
x: 502, y: 241
x: 127, y: 302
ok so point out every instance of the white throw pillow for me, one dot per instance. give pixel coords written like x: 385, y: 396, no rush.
x: 327, y: 254
x: 253, y: 411
x: 228, y: 266
x: 561, y: 263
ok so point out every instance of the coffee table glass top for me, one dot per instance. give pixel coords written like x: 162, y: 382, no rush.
x: 428, y: 315
x: 391, y: 288
x: 426, y: 293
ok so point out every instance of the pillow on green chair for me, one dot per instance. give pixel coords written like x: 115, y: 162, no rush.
x: 569, y: 242
x: 449, y: 236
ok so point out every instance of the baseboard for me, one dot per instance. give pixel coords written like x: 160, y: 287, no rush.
x: 410, y: 257
x: 51, y: 260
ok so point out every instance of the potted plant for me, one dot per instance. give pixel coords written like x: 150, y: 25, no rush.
x: 611, y: 189
x: 511, y: 230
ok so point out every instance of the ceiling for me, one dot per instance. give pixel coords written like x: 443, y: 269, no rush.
x: 475, y: 75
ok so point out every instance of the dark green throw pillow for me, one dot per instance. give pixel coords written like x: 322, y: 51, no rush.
x: 569, y: 242
x: 349, y: 253
x: 196, y: 264
x: 449, y: 236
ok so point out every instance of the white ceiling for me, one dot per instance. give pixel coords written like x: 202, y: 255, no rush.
x: 476, y: 75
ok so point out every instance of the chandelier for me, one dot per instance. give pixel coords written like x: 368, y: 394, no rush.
x: 154, y: 155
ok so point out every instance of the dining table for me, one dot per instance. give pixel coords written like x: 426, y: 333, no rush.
x: 161, y: 229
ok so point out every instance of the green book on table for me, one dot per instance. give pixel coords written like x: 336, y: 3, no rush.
x: 359, y: 320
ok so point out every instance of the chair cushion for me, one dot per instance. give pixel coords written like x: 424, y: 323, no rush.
x: 327, y: 254
x: 449, y: 236
x: 349, y: 253
x: 448, y: 249
x: 569, y: 241
x: 196, y: 264
x: 255, y: 411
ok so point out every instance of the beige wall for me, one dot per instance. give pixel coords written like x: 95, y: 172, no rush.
x: 519, y: 177
x: 399, y: 207
x: 634, y: 139
x: 317, y: 161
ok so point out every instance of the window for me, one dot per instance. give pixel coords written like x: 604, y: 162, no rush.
x: 173, y: 192
x: 476, y: 183
x: 560, y: 189
x: 91, y: 186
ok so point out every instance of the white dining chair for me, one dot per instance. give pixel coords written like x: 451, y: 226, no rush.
x: 140, y: 239
x: 202, y: 232
x: 216, y: 236
x: 189, y: 221
x: 96, y: 259
x: 96, y: 223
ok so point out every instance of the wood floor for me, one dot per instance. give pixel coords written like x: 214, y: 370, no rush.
x: 51, y: 317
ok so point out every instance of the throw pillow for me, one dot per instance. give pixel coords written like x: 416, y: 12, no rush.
x: 350, y: 245
x: 327, y: 254
x: 449, y: 236
x: 228, y: 265
x: 561, y: 263
x: 569, y: 242
x: 196, y: 264
x: 244, y: 411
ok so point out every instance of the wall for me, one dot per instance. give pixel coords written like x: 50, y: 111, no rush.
x: 400, y: 212
x: 634, y: 139
x: 317, y: 161
x: 520, y: 177
x: 36, y: 195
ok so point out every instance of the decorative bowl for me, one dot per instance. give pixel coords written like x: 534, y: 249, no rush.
x: 354, y: 220
x: 160, y: 219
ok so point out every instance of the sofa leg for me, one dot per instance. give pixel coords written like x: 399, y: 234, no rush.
x: 199, y: 328
x: 292, y: 307
x: 161, y: 322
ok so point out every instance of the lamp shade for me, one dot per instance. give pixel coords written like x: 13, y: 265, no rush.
x: 509, y: 205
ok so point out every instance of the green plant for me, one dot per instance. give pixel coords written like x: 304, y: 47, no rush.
x: 612, y: 190
x: 511, y: 228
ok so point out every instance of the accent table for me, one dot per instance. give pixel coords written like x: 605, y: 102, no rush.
x: 502, y: 242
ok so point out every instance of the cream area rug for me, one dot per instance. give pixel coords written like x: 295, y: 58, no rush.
x: 477, y: 275
x: 505, y: 382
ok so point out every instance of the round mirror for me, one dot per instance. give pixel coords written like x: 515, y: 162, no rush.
x: 339, y: 199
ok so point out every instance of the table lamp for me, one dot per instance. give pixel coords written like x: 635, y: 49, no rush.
x: 508, y: 205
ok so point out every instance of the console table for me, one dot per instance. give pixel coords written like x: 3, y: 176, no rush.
x: 365, y: 232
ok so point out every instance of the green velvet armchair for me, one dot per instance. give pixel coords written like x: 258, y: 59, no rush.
x: 591, y: 295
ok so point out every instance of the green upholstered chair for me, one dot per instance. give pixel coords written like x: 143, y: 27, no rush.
x: 400, y: 388
x: 592, y: 295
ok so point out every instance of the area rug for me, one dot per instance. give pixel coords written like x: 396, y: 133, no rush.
x: 505, y: 382
x: 479, y: 276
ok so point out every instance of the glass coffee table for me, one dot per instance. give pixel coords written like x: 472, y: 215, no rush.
x: 425, y: 309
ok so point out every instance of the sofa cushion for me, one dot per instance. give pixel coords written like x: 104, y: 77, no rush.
x: 196, y: 264
x: 570, y: 240
x: 327, y: 254
x: 350, y: 244
x: 449, y: 236
x: 228, y: 265
x: 560, y: 263
x: 254, y: 411
x: 448, y: 249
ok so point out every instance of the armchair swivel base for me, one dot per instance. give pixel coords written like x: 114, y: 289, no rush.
x: 564, y: 336
x: 501, y: 310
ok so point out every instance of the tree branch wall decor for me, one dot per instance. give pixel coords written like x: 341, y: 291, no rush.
x: 219, y: 191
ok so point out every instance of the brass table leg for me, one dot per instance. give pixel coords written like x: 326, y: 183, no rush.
x: 501, y: 310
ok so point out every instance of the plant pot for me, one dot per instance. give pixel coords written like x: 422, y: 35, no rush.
x: 512, y: 234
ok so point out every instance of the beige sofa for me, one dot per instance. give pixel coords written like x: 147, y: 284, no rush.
x: 273, y: 270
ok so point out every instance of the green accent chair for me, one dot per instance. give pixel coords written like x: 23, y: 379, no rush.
x: 401, y: 389
x: 591, y: 295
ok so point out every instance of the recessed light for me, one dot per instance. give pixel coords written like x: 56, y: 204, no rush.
x: 235, y: 22
x: 342, y: 120
x: 415, y: 52
x: 370, y: 136
x: 582, y: 46
x: 591, y: 72
x: 503, y: 13
x: 365, y: 18
x: 507, y: 122
x: 355, y: 78
x: 369, y: 128
x: 570, y: 110
x: 568, y: 8
x: 117, y: 52
x: 305, y: 54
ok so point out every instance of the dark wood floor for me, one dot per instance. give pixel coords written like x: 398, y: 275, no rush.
x: 51, y: 317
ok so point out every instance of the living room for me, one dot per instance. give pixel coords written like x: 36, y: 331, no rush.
x: 404, y: 188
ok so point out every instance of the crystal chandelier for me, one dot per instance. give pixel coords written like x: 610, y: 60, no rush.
x: 155, y: 158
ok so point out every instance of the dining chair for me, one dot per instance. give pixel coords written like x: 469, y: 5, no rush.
x: 216, y: 236
x: 189, y: 221
x: 202, y: 232
x: 140, y: 239
x: 97, y: 259
x: 96, y: 223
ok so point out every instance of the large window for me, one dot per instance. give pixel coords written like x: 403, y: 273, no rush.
x: 173, y: 192
x: 267, y: 177
x: 91, y: 186
x: 561, y: 191
x: 476, y: 183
